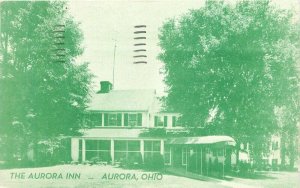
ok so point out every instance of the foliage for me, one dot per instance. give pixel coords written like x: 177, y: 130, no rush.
x: 132, y: 161
x: 52, y: 151
x: 43, y: 92
x: 229, y: 67
x: 154, y: 162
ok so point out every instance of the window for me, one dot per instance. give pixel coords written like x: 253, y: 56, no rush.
x: 121, y: 145
x: 275, y: 146
x: 221, y: 152
x: 160, y: 121
x: 184, y: 156
x: 151, y: 148
x: 91, y: 145
x: 113, y: 119
x: 129, y: 150
x: 133, y: 145
x: 93, y: 119
x: 264, y: 161
x: 98, y: 150
x: 274, y: 162
x: 167, y: 155
x: 214, y: 152
x: 133, y: 119
x: 176, y: 121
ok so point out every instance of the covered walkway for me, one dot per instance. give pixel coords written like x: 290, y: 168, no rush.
x: 207, y: 155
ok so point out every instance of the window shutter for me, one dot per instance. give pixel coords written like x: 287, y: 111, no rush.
x: 139, y: 123
x: 119, y: 119
x: 155, y: 121
x: 99, y: 119
x: 173, y: 121
x: 126, y: 119
x: 105, y: 119
x: 165, y: 121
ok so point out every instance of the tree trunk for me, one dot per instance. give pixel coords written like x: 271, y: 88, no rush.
x: 283, y: 149
x: 292, y: 151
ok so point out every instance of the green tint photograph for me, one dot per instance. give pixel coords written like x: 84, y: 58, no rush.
x: 150, y: 93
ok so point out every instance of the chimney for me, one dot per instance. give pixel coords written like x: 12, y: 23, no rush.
x: 105, y: 87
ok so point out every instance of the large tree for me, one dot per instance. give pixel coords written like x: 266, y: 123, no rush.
x: 42, y: 90
x: 229, y: 68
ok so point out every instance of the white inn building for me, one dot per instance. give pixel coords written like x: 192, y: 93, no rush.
x: 126, y: 124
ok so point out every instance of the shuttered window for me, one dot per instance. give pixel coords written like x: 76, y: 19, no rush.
x: 112, y: 119
x: 133, y: 119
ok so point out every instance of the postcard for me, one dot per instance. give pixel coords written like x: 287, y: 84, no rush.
x: 150, y: 93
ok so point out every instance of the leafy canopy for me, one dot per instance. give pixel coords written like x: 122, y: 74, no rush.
x: 230, y: 68
x: 42, y: 90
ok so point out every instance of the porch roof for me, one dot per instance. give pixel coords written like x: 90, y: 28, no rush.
x: 111, y: 133
x: 202, y: 140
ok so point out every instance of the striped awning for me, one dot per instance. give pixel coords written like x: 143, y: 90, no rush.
x: 202, y: 140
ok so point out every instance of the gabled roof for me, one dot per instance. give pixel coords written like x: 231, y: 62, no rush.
x: 122, y: 100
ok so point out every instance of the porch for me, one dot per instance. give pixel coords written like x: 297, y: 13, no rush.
x: 114, y: 146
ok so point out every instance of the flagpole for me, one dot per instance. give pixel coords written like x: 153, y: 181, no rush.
x: 114, y: 62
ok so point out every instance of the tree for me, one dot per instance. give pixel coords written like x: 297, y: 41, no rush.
x: 228, y: 67
x: 43, y: 90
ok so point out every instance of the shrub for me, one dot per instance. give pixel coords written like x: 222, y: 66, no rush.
x: 132, y: 161
x: 155, y: 162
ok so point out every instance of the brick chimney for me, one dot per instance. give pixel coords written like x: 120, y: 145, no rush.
x: 105, y: 87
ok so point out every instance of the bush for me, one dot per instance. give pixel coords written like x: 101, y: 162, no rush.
x: 132, y: 161
x: 155, y: 162
x: 52, y: 151
x: 94, y: 160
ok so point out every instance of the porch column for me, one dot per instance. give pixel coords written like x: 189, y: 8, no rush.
x: 162, y: 148
x: 112, y: 151
x: 224, y: 161
x: 186, y: 157
x: 83, y: 149
x: 201, y: 160
x: 197, y: 160
x: 75, y: 149
x: 142, y: 149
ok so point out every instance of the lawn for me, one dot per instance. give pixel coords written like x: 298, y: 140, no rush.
x: 108, y: 176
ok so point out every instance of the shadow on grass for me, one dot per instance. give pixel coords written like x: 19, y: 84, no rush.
x: 29, y: 165
x: 216, y: 178
x: 183, y: 173
x: 253, y: 175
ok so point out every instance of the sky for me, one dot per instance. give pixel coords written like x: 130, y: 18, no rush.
x: 106, y: 23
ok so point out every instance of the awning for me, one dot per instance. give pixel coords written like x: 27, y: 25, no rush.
x: 202, y: 140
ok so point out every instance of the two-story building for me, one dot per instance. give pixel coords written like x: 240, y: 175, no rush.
x: 116, y: 123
